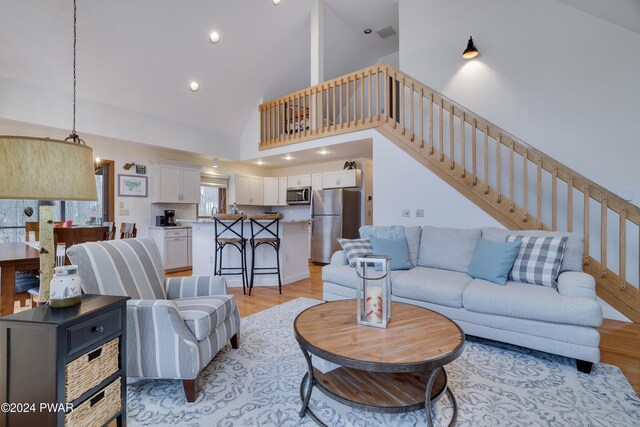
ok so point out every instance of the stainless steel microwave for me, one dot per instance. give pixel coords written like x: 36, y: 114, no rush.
x: 299, y: 196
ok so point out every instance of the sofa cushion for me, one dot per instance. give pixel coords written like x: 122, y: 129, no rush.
x: 203, y: 315
x: 573, y: 250
x: 432, y: 285
x: 396, y: 249
x: 448, y: 248
x: 413, y: 233
x: 539, y: 259
x: 522, y: 300
x: 493, y: 260
x: 355, y: 248
x: 345, y: 275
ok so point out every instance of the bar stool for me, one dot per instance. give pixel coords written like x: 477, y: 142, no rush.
x: 224, y: 223
x: 267, y: 225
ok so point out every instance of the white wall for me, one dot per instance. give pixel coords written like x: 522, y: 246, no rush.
x: 28, y: 103
x: 401, y: 182
x: 559, y: 79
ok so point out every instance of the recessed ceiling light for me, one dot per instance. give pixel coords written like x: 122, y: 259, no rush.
x: 276, y: 2
x: 323, y: 152
x: 214, y: 37
x: 260, y: 163
x: 367, y: 30
x: 194, y: 86
x: 288, y: 157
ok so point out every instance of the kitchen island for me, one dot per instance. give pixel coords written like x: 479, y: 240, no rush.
x: 294, y: 263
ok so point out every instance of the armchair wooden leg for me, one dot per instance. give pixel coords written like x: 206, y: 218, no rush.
x: 235, y: 341
x: 191, y: 388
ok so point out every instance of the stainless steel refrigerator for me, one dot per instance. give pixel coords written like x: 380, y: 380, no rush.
x: 335, y: 214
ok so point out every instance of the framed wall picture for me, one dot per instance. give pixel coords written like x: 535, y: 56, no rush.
x: 132, y: 186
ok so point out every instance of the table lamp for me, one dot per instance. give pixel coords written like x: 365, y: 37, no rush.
x: 46, y: 170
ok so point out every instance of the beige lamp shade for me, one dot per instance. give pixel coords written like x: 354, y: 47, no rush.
x: 46, y: 169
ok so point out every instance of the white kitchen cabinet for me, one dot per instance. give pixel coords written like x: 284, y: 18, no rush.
x: 176, y: 252
x: 256, y: 190
x: 351, y: 178
x: 271, y: 192
x: 342, y: 179
x: 316, y: 181
x: 282, y: 190
x: 331, y: 180
x: 174, y: 245
x: 189, y: 248
x: 242, y: 189
x: 299, y: 181
x: 248, y: 190
x: 174, y: 183
x: 190, y: 185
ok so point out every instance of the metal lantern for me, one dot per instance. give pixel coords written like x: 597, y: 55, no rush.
x: 373, y: 295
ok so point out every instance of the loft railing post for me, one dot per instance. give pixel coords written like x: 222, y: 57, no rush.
x: 474, y: 153
x: 525, y: 185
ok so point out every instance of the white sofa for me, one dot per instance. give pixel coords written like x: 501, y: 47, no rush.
x: 561, y: 321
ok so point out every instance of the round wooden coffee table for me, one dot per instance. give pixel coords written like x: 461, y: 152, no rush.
x: 392, y: 370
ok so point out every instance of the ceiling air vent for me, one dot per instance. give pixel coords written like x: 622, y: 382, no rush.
x: 386, y: 32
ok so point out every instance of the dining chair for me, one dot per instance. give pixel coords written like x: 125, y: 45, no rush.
x: 35, y: 227
x: 110, y: 234
x: 128, y: 230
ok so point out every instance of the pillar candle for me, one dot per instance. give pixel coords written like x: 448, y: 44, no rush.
x: 374, y: 304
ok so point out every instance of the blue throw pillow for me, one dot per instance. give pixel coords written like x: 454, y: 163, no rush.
x: 397, y: 249
x: 492, y: 261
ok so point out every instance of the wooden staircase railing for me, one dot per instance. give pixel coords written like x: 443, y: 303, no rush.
x: 517, y: 184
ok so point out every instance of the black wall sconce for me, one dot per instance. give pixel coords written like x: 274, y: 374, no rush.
x: 471, y: 51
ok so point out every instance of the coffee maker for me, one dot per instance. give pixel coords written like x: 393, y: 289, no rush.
x: 170, y: 218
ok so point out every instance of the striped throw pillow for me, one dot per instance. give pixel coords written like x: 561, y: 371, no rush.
x: 355, y: 248
x: 538, y: 260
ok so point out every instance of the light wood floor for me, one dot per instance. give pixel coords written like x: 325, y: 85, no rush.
x: 619, y: 345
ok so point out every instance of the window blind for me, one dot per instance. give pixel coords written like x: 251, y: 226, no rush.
x: 214, y: 180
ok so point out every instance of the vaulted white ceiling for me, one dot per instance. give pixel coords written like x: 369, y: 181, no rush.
x: 140, y: 55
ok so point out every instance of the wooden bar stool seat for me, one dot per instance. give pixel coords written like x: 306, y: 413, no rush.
x: 265, y: 231
x: 224, y: 226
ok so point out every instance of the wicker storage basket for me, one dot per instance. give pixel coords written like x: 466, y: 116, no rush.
x: 90, y: 369
x: 98, y: 409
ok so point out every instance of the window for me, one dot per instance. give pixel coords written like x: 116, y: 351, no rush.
x: 86, y: 213
x: 13, y: 215
x: 209, y: 200
x: 213, y: 195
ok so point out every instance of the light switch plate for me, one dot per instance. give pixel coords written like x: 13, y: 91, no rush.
x: 121, y: 205
x: 419, y: 213
x: 406, y: 213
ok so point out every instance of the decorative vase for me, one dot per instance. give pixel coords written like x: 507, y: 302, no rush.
x: 65, y: 289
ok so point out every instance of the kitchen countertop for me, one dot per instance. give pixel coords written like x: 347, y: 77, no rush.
x: 177, y: 227
x: 282, y: 221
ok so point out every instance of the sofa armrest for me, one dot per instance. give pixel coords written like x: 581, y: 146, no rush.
x: 195, y: 286
x: 152, y: 327
x: 339, y: 258
x: 576, y: 284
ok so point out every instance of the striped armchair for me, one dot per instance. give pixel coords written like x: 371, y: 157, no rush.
x: 175, y: 326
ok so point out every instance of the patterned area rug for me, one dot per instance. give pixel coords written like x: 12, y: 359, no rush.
x: 495, y: 384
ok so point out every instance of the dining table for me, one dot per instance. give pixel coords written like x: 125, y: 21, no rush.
x: 14, y: 257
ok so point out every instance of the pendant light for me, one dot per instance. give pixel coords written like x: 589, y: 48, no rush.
x: 46, y: 170
x: 471, y: 51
